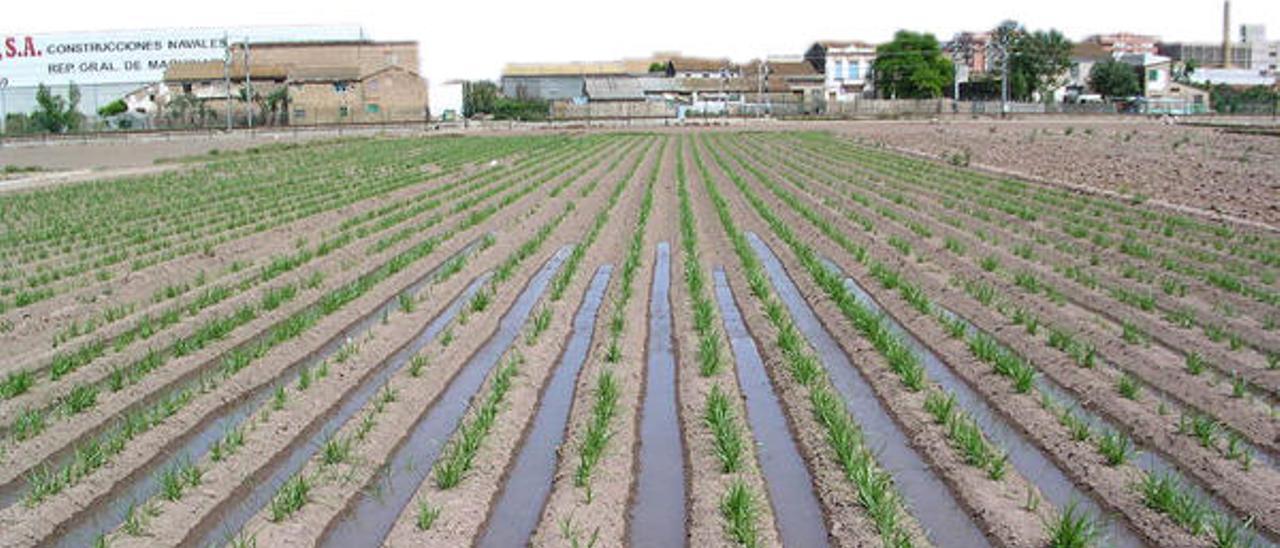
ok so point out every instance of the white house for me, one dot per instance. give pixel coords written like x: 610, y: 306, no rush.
x: 1157, y: 72
x: 846, y: 67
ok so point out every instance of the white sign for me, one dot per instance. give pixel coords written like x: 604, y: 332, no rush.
x: 115, y: 57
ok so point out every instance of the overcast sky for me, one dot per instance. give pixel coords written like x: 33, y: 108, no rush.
x: 473, y: 39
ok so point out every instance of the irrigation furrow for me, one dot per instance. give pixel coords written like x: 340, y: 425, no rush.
x: 1258, y: 432
x: 1050, y: 480
x: 788, y: 481
x: 165, y: 339
x: 834, y: 441
x: 327, y: 496
x: 264, y: 483
x: 1115, y: 259
x: 371, y: 517
x: 513, y: 518
x: 276, y: 213
x: 245, y: 250
x: 1173, y: 231
x: 341, y: 447
x: 110, y: 514
x: 930, y: 500
x: 472, y: 220
x: 658, y: 508
x: 1248, y: 334
x: 589, y: 495
x: 1033, y: 351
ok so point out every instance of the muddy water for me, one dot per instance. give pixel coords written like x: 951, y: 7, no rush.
x: 658, y: 508
x: 516, y: 514
x: 372, y: 515
x: 790, y: 486
x: 1052, y: 482
x: 145, y: 483
x: 928, y: 498
x: 1149, y: 461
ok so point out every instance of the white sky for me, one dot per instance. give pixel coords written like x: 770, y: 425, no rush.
x: 473, y: 39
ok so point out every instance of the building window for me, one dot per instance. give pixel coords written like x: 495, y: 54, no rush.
x: 340, y: 87
x: 343, y: 111
x: 299, y: 114
x: 839, y: 69
x: 186, y: 87
x: 372, y: 108
x: 1153, y: 75
x: 853, y: 70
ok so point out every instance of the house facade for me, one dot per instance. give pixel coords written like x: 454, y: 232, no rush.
x: 846, y: 67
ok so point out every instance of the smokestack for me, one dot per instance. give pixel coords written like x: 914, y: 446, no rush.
x: 1226, y: 34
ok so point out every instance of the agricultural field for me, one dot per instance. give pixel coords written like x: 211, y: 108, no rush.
x: 702, y: 338
x: 1224, y: 170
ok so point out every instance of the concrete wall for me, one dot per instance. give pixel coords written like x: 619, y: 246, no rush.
x: 621, y: 109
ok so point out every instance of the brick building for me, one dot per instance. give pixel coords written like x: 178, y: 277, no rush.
x: 356, y: 81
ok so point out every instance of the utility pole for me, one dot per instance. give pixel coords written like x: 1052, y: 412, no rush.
x: 226, y: 74
x: 248, y: 83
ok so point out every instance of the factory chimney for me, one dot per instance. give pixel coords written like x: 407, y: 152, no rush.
x: 1226, y: 34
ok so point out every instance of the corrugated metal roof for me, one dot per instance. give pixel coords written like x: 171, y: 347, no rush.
x: 627, y: 88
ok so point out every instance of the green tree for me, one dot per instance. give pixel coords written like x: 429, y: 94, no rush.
x: 912, y: 66
x: 1038, y: 63
x: 55, y: 114
x: 1112, y: 78
x: 479, y: 97
x: 113, y: 108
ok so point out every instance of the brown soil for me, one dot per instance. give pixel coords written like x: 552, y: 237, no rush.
x: 467, y: 506
x: 331, y: 499
x: 45, y: 393
x: 1157, y: 364
x: 64, y: 434
x: 996, y: 506
x: 328, y: 498
x: 1252, y: 492
x: 146, y: 446
x: 1219, y: 173
x: 604, y: 515
x: 1206, y: 300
